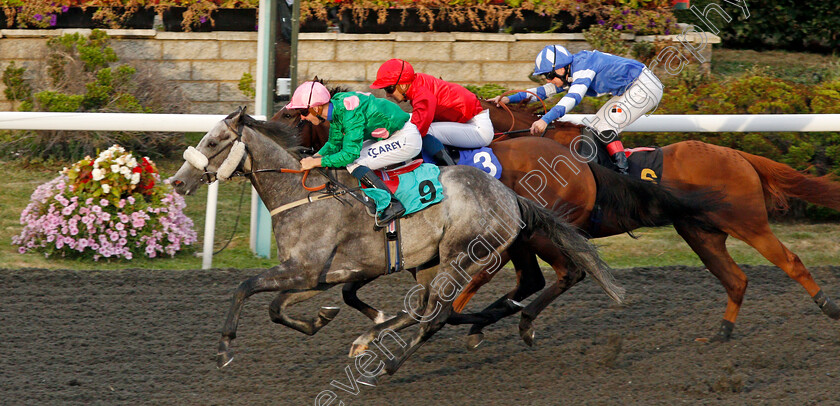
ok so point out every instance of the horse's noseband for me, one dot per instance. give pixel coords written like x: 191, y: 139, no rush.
x: 200, y: 161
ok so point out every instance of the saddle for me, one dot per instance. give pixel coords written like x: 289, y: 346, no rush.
x: 391, y: 176
x: 644, y: 163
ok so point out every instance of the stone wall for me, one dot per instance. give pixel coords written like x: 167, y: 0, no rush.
x: 208, y: 66
x: 464, y: 58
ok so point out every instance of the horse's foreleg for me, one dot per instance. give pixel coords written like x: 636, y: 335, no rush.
x: 348, y: 293
x: 309, y: 327
x: 274, y: 279
x: 477, y: 281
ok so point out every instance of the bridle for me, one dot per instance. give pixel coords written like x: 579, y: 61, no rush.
x: 191, y: 156
x: 209, y: 177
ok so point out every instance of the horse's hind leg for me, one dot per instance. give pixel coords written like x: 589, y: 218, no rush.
x: 402, y: 320
x: 765, y: 242
x: 711, y: 248
x: 566, y: 278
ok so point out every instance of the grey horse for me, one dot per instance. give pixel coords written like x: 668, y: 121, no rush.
x: 329, y: 242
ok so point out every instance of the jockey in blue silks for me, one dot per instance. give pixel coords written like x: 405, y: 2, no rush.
x: 635, y: 88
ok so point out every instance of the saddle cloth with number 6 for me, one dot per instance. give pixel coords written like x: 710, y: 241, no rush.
x: 415, y: 185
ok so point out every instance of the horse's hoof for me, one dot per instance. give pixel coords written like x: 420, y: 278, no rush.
x: 528, y: 336
x: 328, y: 313
x: 357, y: 349
x: 367, y: 380
x: 223, y: 359
x: 827, y: 305
x: 381, y: 317
x: 725, y: 333
x: 514, y: 305
x: 474, y: 340
x: 526, y: 329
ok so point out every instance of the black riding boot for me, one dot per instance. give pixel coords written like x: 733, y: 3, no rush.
x: 620, y: 160
x: 443, y: 158
x: 432, y: 146
x: 395, y: 209
x: 609, y: 139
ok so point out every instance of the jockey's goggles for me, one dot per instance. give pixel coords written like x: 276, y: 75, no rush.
x: 302, y: 111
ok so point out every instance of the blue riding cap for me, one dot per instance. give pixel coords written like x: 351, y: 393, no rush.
x: 551, y: 57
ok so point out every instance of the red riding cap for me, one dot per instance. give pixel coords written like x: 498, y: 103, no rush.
x: 393, y: 72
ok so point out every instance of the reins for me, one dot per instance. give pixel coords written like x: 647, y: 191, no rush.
x: 238, y: 132
x: 284, y: 170
x: 505, y: 134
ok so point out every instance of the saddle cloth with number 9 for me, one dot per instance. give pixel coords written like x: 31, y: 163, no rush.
x: 416, y: 185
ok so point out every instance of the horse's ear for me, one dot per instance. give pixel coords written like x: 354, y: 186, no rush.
x: 237, y: 115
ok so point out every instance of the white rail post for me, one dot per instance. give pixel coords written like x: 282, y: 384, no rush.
x: 210, y: 225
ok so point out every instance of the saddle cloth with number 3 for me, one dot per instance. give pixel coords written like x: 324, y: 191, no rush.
x: 482, y: 158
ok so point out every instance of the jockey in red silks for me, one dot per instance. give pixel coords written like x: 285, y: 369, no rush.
x: 445, y: 113
x: 366, y: 133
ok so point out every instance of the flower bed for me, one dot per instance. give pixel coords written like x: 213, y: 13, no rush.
x: 114, y: 206
x: 637, y: 16
x: 643, y: 17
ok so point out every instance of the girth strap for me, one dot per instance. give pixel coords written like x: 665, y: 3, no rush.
x: 393, y: 248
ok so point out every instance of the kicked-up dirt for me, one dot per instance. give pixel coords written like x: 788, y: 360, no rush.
x: 149, y: 337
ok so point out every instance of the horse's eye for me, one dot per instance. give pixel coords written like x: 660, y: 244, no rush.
x: 211, y: 144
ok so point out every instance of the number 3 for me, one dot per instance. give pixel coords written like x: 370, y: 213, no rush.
x: 484, y: 159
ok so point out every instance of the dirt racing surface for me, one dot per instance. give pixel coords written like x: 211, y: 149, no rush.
x: 149, y: 337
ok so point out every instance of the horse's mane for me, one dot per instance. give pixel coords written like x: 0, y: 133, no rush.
x: 284, y: 135
x: 332, y: 89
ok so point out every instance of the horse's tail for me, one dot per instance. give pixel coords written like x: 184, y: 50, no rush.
x: 780, y: 181
x: 580, y: 252
x: 635, y: 203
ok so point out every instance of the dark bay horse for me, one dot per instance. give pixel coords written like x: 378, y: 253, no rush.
x: 751, y: 187
x: 323, y: 241
x: 545, y: 171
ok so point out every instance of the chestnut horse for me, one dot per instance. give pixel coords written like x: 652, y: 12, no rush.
x: 751, y: 187
x: 565, y: 185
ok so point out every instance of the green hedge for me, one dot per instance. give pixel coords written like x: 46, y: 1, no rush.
x: 774, y: 24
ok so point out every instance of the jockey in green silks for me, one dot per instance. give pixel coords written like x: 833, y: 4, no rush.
x: 366, y: 133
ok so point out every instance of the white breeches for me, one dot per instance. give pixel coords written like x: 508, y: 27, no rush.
x: 475, y: 133
x: 401, y: 146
